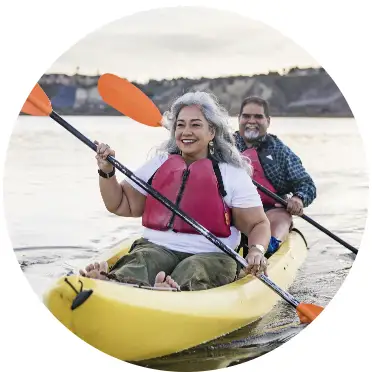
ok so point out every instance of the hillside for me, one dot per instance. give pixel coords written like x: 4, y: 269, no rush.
x: 299, y: 92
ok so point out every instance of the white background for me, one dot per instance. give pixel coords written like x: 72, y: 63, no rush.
x: 35, y: 33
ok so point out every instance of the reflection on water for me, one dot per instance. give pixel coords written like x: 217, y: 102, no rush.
x: 238, y: 347
x: 57, y: 221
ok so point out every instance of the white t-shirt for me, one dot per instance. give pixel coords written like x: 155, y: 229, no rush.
x: 241, y: 193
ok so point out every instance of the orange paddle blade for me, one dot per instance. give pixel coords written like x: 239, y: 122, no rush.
x: 37, y: 103
x: 308, y: 312
x: 129, y: 100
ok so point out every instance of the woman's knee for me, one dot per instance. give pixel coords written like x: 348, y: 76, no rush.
x: 205, y: 271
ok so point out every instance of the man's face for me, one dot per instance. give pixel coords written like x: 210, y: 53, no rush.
x: 253, y: 122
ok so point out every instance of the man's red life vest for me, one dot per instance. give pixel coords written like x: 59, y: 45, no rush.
x: 195, y: 190
x: 259, y: 176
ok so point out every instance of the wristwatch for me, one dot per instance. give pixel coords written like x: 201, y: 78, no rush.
x: 259, y: 247
x: 106, y: 175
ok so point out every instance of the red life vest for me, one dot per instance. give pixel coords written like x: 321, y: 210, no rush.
x: 259, y: 176
x: 195, y: 190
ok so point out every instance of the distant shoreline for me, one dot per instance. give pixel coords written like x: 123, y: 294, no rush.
x: 299, y: 93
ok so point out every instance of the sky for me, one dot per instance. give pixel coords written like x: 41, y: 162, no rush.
x: 182, y: 42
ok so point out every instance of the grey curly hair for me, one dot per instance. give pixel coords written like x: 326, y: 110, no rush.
x: 218, y: 119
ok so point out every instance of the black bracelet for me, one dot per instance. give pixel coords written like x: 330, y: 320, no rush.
x: 106, y: 175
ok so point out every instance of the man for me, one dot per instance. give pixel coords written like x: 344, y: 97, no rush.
x: 276, y: 167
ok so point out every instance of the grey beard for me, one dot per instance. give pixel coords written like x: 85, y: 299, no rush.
x: 252, y: 135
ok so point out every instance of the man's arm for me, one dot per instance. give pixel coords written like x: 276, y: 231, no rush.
x: 300, y: 181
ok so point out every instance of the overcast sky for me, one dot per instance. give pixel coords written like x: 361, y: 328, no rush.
x: 183, y: 42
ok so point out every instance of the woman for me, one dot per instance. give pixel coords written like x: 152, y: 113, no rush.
x: 201, y: 171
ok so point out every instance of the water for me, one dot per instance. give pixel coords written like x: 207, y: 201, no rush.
x: 57, y: 220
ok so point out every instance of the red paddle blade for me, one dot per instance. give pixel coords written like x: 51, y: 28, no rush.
x: 308, y: 312
x: 129, y: 100
x: 37, y: 103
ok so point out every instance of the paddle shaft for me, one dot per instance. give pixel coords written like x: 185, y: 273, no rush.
x: 306, y: 218
x: 199, y: 228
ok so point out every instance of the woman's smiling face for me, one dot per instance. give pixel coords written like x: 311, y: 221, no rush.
x: 193, y: 133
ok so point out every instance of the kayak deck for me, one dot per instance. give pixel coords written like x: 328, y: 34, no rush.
x: 135, y: 324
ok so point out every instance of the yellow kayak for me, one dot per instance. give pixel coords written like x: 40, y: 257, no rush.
x: 134, y: 324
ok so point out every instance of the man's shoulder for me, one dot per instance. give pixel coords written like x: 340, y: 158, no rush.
x: 277, y: 144
x: 237, y: 136
x: 239, y: 141
x: 274, y: 139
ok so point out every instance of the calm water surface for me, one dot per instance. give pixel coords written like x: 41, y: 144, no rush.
x: 57, y: 220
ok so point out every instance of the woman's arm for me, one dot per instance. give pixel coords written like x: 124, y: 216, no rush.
x: 254, y: 224
x: 119, y: 198
x: 249, y: 217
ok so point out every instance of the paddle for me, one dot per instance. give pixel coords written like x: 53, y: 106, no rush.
x: 115, y: 91
x: 38, y: 104
x: 132, y: 102
x: 306, y: 218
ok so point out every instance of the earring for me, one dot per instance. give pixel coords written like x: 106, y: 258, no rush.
x: 211, y: 147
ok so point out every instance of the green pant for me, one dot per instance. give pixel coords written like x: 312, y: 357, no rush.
x: 193, y: 272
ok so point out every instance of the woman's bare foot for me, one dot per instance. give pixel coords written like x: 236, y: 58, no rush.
x: 163, y: 281
x: 93, y: 271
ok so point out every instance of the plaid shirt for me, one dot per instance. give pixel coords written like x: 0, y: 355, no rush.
x: 283, y: 168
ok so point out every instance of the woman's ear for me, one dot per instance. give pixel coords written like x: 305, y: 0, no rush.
x: 213, y: 133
